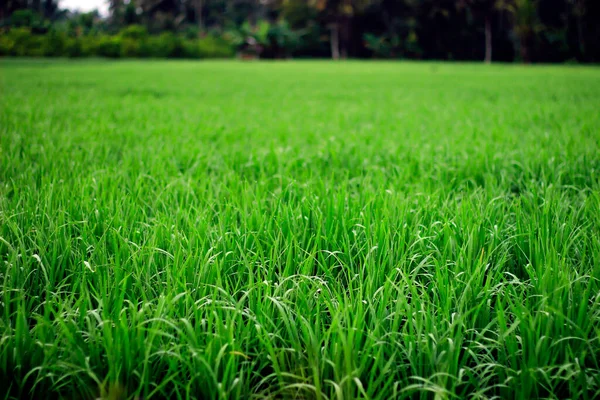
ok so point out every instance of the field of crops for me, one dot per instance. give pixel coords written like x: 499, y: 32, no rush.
x: 309, y: 230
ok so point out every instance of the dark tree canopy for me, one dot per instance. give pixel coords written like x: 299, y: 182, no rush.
x: 490, y: 30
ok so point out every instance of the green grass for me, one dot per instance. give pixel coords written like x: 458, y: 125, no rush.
x: 304, y: 230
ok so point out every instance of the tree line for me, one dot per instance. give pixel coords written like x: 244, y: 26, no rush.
x: 489, y: 30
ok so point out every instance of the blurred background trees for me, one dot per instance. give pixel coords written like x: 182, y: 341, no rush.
x: 487, y: 30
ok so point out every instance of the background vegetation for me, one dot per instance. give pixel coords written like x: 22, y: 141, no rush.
x: 502, y: 30
x: 305, y: 230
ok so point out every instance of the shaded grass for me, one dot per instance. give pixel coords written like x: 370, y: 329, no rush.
x: 299, y: 230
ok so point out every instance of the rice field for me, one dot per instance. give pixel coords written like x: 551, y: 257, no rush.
x: 299, y: 230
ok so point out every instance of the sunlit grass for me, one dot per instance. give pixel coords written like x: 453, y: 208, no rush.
x: 299, y: 230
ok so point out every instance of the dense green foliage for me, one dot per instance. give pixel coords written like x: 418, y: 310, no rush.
x: 501, y: 30
x: 131, y: 42
x: 299, y: 230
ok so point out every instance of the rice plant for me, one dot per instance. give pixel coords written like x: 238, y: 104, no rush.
x: 299, y: 230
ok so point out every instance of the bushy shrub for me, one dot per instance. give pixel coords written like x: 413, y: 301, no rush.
x: 130, y: 48
x: 74, y: 48
x: 145, y: 49
x: 36, y: 46
x: 212, y: 47
x: 169, y: 45
x: 190, y: 49
x: 132, y: 41
x: 21, y: 42
x: 109, y: 46
x: 55, y: 44
x: 134, y: 32
x: 89, y: 45
x: 6, y: 45
x: 161, y: 46
x: 191, y: 32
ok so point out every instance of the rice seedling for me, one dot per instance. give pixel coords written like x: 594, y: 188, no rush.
x: 304, y: 230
